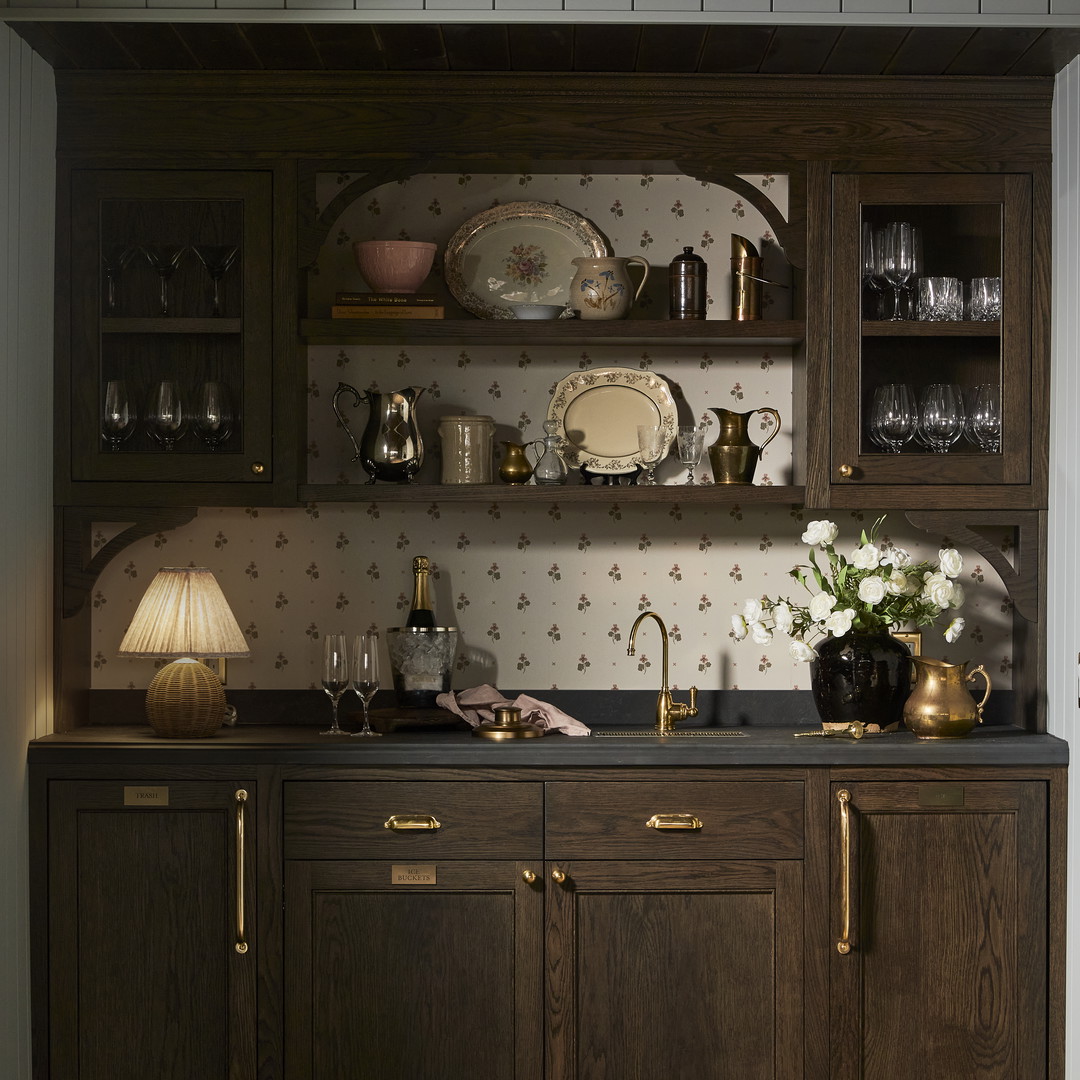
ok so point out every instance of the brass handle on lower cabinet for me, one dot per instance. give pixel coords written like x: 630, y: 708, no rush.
x: 411, y: 822
x: 558, y: 876
x: 528, y: 876
x: 241, y: 801
x: 673, y: 821
x: 258, y: 468
x: 843, y: 946
x: 846, y: 471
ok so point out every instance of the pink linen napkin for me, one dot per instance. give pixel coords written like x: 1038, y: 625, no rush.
x: 478, y: 704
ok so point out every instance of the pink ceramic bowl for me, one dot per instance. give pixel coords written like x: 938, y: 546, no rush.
x: 393, y: 266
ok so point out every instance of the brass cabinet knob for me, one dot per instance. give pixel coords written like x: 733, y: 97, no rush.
x: 528, y: 876
x: 258, y: 468
x: 558, y: 877
x: 846, y: 471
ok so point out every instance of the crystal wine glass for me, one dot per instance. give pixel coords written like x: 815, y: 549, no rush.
x: 691, y: 443
x: 941, y: 416
x: 335, y: 677
x: 893, y: 417
x: 365, y: 674
x: 165, y: 417
x: 118, y: 418
x: 898, y: 260
x: 984, y: 418
x: 216, y: 258
x: 164, y: 258
x: 871, y: 267
x: 114, y: 260
x: 213, y: 417
x: 652, y: 445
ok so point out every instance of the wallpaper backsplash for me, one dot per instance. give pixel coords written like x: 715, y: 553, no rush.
x: 544, y: 594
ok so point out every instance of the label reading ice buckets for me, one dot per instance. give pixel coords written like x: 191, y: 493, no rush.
x: 421, y: 661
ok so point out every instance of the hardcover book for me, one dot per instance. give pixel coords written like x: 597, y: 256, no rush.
x: 387, y: 311
x: 355, y: 298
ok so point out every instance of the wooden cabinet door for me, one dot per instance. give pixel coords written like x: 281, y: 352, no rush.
x: 413, y: 972
x: 150, y: 971
x: 946, y: 973
x: 675, y: 969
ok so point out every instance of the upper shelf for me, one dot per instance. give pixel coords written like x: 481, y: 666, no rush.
x: 717, y: 332
x: 920, y: 328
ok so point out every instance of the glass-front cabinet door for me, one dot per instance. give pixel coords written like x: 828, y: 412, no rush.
x: 932, y: 382
x: 170, y: 336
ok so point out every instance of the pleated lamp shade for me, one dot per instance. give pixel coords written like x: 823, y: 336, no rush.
x: 184, y: 614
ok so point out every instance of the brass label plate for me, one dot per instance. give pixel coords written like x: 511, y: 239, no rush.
x: 941, y: 794
x: 412, y: 874
x: 146, y: 796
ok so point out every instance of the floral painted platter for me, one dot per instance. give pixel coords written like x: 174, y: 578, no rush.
x: 598, y: 412
x: 518, y: 253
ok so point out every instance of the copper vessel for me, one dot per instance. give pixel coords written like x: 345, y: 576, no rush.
x: 940, y: 706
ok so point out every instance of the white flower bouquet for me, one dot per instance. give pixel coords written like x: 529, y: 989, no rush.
x: 875, y: 590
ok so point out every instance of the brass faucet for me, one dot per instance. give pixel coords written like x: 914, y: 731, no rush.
x: 667, y: 711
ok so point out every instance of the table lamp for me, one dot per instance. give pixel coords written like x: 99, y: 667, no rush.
x: 182, y: 615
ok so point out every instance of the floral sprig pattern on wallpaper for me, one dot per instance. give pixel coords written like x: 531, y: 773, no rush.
x: 544, y: 597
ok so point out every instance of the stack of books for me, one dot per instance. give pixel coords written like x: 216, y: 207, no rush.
x: 352, y: 305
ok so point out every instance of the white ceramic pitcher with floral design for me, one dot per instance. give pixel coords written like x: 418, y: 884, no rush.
x: 602, y: 287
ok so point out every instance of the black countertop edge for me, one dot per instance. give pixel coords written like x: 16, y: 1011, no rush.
x: 252, y: 745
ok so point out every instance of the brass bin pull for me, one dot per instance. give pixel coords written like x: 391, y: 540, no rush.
x: 673, y: 821
x: 412, y: 822
x: 843, y: 946
x: 241, y: 800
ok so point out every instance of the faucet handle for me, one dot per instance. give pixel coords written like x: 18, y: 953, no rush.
x: 680, y: 710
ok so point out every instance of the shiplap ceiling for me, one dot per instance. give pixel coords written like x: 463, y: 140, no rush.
x: 555, y: 47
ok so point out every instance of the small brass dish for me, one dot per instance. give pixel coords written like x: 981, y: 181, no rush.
x: 508, y: 725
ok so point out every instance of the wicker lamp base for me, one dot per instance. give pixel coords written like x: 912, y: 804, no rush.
x: 185, y: 701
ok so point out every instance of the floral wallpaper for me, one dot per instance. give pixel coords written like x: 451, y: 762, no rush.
x: 544, y: 594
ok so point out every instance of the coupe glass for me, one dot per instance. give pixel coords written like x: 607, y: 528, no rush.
x: 114, y: 261
x: 213, y: 417
x: 941, y: 416
x: 691, y: 443
x: 898, y: 260
x: 984, y: 418
x: 893, y: 417
x: 164, y: 258
x: 651, y: 444
x: 365, y: 674
x: 335, y: 677
x: 165, y: 417
x: 216, y: 258
x: 118, y: 418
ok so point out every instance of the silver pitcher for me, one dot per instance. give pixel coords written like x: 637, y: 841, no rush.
x: 390, y: 447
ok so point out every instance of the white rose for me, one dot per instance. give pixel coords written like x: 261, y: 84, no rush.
x: 954, y: 630
x: 821, y: 605
x: 839, y: 622
x: 819, y: 532
x: 866, y: 557
x: 753, y: 611
x: 951, y: 562
x: 914, y: 585
x: 739, y: 627
x: 799, y: 650
x: 760, y: 633
x: 938, y: 589
x: 784, y: 617
x: 896, y: 584
x: 900, y: 558
x: 957, y: 599
x: 871, y: 590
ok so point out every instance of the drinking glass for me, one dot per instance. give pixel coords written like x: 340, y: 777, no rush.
x: 984, y: 418
x: 940, y: 299
x: 691, y: 443
x: 118, y: 418
x: 893, y: 417
x: 898, y: 260
x: 650, y: 440
x: 164, y: 258
x: 165, y: 417
x: 216, y: 258
x: 335, y: 677
x: 213, y: 417
x: 365, y: 674
x: 941, y: 416
x: 872, y: 277
x: 114, y: 261
x: 984, y: 299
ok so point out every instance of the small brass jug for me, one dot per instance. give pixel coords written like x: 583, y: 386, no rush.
x: 515, y: 467
x: 940, y: 705
x: 733, y: 456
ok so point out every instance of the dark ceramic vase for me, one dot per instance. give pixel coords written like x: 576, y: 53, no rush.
x: 861, y: 676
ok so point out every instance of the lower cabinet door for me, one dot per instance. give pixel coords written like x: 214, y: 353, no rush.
x: 151, y: 969
x: 665, y: 970
x: 413, y: 972
x: 939, y: 963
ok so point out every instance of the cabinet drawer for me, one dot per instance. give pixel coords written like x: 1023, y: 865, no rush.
x: 389, y: 820
x: 684, y: 820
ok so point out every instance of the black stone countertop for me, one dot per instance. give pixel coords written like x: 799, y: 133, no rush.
x: 764, y: 746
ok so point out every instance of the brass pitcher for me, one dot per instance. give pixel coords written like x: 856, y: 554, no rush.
x: 940, y: 705
x: 515, y: 467
x: 733, y: 456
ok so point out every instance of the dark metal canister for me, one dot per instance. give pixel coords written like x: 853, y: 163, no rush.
x: 687, y: 278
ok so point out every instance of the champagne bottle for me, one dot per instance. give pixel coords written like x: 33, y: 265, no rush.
x: 421, y: 613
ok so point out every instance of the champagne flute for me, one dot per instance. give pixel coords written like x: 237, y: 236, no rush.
x: 216, y: 258
x: 365, y: 674
x: 118, y: 418
x: 335, y: 677
x: 213, y: 419
x: 652, y: 445
x: 898, y: 260
x: 165, y: 417
x: 691, y: 443
x: 164, y: 258
x: 871, y: 267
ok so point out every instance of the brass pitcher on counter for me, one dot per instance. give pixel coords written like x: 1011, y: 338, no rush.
x: 733, y: 456
x: 940, y: 705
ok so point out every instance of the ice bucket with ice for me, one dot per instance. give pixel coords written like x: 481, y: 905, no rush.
x: 421, y: 659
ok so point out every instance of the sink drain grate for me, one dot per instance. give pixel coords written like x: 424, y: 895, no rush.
x: 692, y: 733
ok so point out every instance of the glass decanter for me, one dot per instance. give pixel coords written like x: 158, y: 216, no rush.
x: 550, y: 467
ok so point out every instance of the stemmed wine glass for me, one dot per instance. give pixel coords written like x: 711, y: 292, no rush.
x: 984, y: 418
x: 691, y: 443
x: 898, y: 260
x: 114, y: 261
x: 871, y: 267
x: 365, y: 674
x: 216, y: 258
x: 117, y: 416
x: 652, y: 445
x: 941, y: 416
x: 165, y: 417
x: 213, y: 418
x: 893, y: 417
x: 335, y: 677
x: 164, y: 258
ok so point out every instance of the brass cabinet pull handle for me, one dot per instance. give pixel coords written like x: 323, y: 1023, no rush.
x: 843, y: 946
x: 412, y: 822
x: 846, y: 471
x: 241, y: 801
x: 258, y: 468
x: 673, y: 821
x: 528, y: 876
x: 558, y: 877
